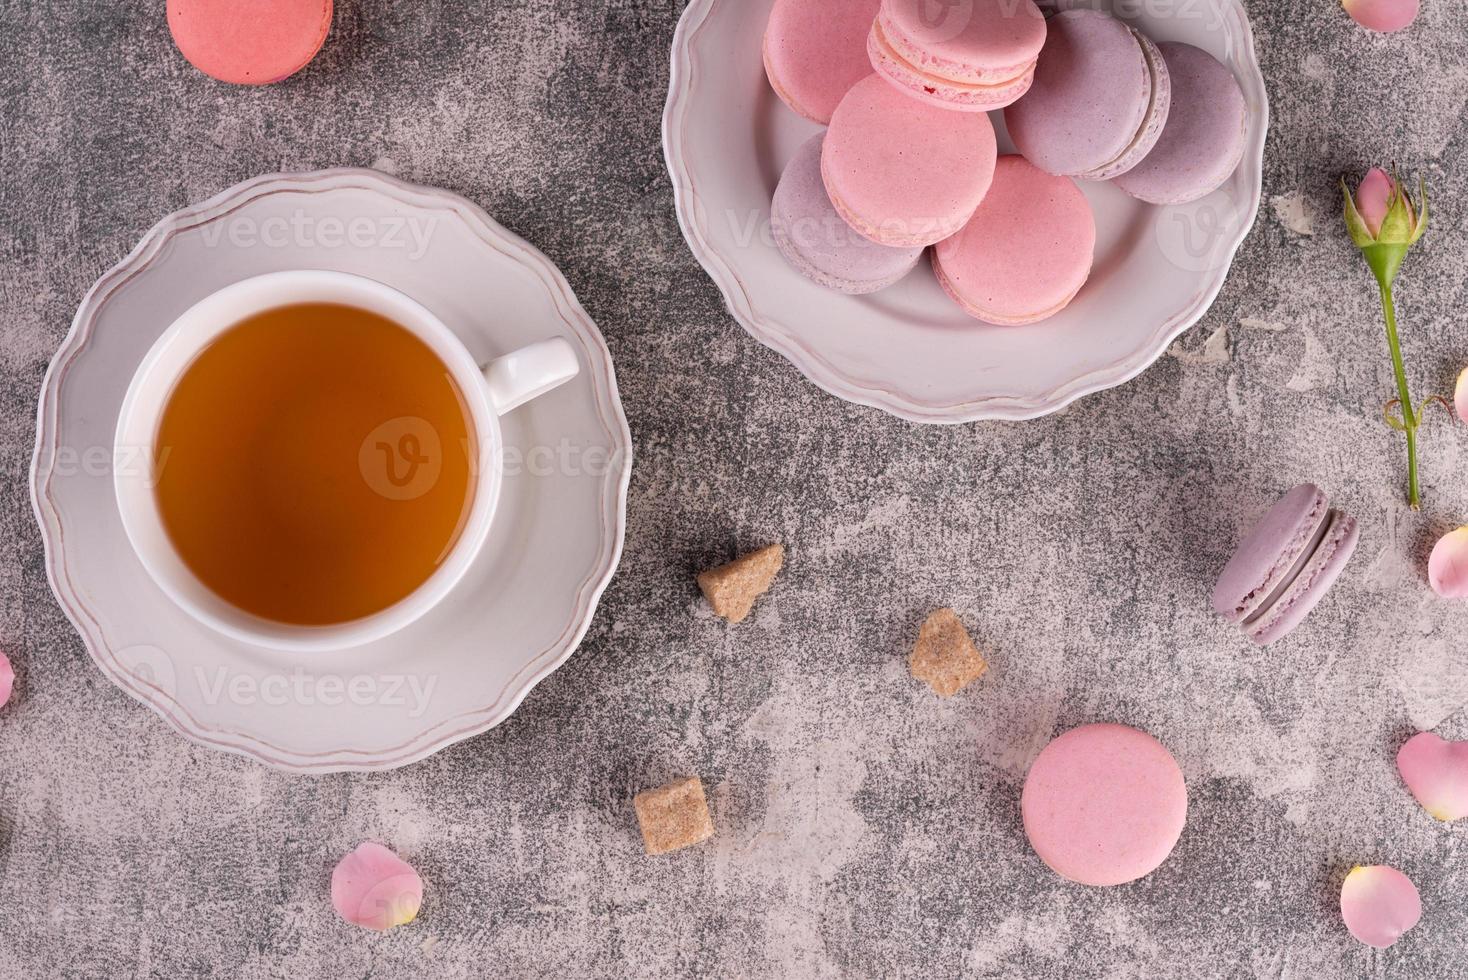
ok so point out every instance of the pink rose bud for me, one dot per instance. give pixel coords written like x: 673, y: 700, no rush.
x: 1373, y: 198
x: 1380, y: 905
x: 374, y: 888
x: 7, y: 679
x: 1460, y: 395
x: 1447, y: 567
x: 1386, y: 16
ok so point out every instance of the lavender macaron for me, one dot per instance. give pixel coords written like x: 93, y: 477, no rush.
x: 1204, y: 138
x: 1099, y: 101
x: 1286, y: 565
x: 818, y: 242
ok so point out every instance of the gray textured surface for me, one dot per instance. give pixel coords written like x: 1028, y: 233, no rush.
x: 865, y: 828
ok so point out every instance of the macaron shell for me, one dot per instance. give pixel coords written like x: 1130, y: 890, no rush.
x: 1025, y: 253
x: 1324, y: 567
x: 1270, y: 551
x: 942, y: 92
x: 1092, y: 98
x: 903, y: 173
x: 819, y: 243
x: 1203, y: 141
x: 815, y: 50
x: 249, y: 42
x: 978, y: 41
x: 1104, y: 804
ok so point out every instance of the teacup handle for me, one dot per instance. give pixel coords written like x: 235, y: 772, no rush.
x: 529, y: 373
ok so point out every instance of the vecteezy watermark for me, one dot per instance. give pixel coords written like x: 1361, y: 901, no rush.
x: 411, y: 691
x: 1199, y: 237
x: 155, y: 674
x: 830, y: 231
x: 129, y: 462
x: 1210, y: 12
x: 411, y: 233
x: 402, y: 458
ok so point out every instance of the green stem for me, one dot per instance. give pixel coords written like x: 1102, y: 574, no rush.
x: 1409, y: 415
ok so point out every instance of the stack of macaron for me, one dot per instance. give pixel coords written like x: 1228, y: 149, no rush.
x: 909, y: 158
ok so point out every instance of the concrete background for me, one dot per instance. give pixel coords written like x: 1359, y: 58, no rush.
x: 866, y: 829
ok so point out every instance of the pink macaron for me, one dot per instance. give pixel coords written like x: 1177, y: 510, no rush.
x: 249, y: 42
x: 972, y: 56
x: 1104, y: 804
x: 1025, y: 253
x: 904, y: 173
x: 1203, y: 141
x: 815, y: 50
x: 1099, y: 101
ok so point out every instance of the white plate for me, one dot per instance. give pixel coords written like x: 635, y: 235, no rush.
x: 525, y: 603
x: 909, y: 349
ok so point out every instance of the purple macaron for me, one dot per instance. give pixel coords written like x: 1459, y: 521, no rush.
x: 1203, y: 141
x: 818, y: 242
x: 1286, y: 565
x: 1099, y: 101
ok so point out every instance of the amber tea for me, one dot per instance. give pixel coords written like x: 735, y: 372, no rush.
x: 315, y: 464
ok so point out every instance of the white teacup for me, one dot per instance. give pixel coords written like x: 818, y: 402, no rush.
x: 489, y: 392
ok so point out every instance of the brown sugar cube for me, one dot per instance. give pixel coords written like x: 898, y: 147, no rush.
x: 944, y: 655
x: 673, y: 816
x: 731, y: 589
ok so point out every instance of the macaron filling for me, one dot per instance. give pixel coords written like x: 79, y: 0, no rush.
x: 1297, y: 594
x: 1159, y: 102
x: 1303, y: 542
x: 887, y: 39
x: 1099, y: 100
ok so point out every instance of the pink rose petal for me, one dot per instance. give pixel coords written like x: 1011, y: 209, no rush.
x: 1447, y: 568
x: 1385, y: 16
x: 1436, y: 771
x: 1373, y: 198
x: 1460, y: 395
x: 7, y: 679
x: 374, y: 888
x: 1380, y: 905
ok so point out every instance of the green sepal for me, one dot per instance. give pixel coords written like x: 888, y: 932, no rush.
x: 1399, y: 224
x: 1355, y: 224
x: 1421, y: 211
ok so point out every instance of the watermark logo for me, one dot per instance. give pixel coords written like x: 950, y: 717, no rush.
x: 154, y: 671
x: 410, y: 234
x: 402, y: 458
x: 1199, y: 237
x: 944, y: 20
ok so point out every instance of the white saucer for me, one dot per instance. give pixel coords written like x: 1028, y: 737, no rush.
x: 524, y: 605
x: 909, y: 349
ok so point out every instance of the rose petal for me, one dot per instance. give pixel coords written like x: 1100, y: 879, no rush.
x: 1373, y: 198
x: 374, y: 888
x: 1385, y: 16
x: 1460, y: 395
x: 1447, y: 567
x: 1436, y: 771
x: 1380, y: 905
x: 7, y: 679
